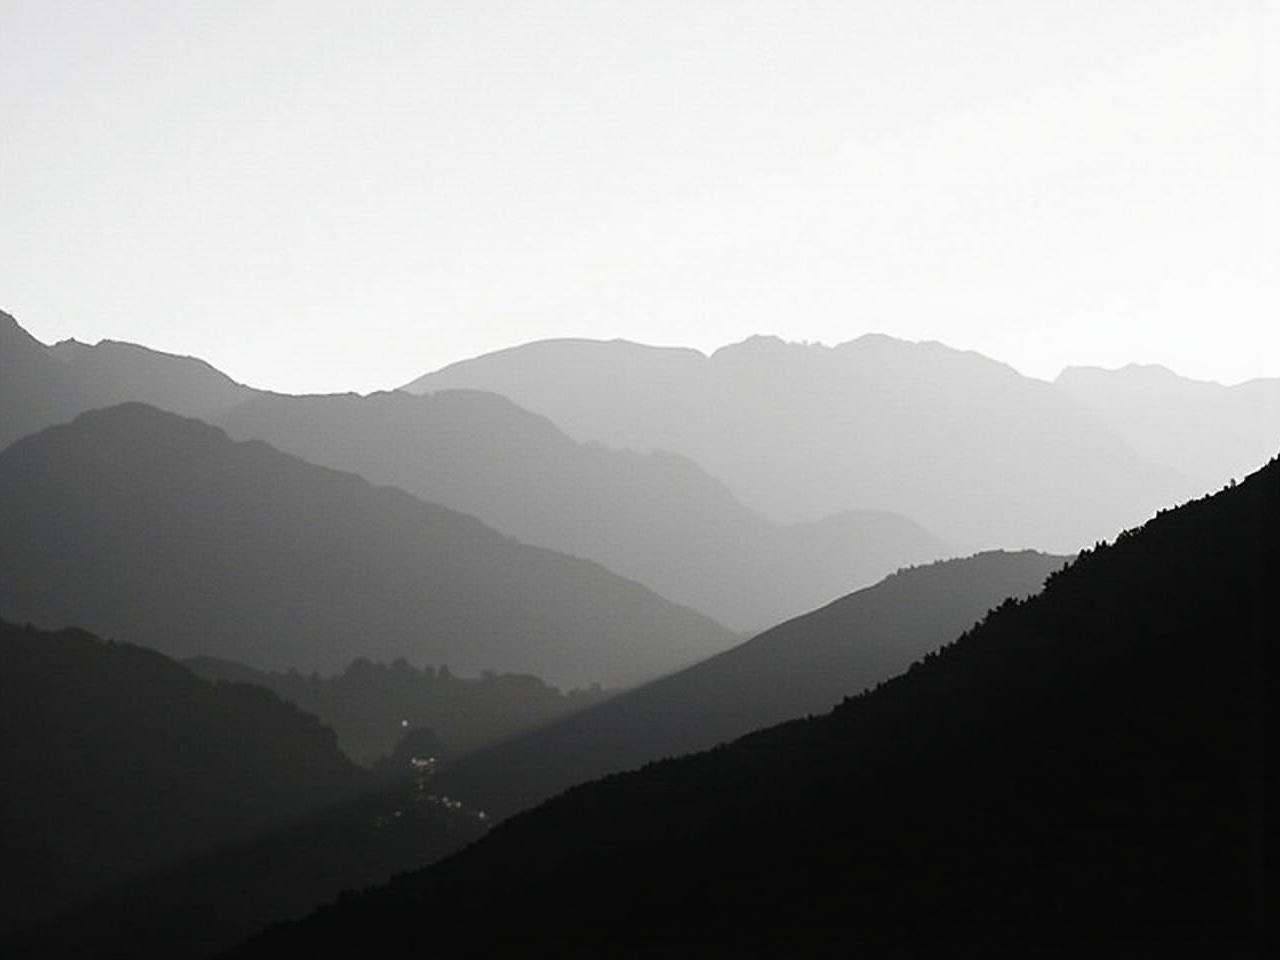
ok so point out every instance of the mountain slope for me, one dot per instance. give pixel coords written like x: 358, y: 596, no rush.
x: 655, y: 517
x: 36, y: 390
x: 976, y: 453
x: 112, y: 373
x: 1208, y: 432
x: 41, y: 386
x: 159, y: 530
x: 116, y: 760
x: 804, y: 666
x: 1082, y: 774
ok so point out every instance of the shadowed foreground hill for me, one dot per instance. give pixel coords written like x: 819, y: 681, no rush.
x: 151, y: 528
x: 115, y: 759
x: 655, y: 517
x: 369, y: 705
x: 1082, y: 774
x: 804, y: 666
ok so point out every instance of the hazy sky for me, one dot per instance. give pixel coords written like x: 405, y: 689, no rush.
x: 317, y: 195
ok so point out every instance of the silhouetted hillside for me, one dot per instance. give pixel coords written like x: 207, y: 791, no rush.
x: 370, y: 705
x: 978, y: 454
x: 116, y: 760
x: 158, y: 530
x: 1207, y: 432
x: 801, y: 667
x: 1083, y: 774
x: 210, y: 902
x: 656, y: 518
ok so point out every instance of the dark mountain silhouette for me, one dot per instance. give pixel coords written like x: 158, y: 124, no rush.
x: 116, y: 760
x: 113, y: 373
x: 210, y: 902
x: 159, y: 530
x: 36, y: 390
x: 1208, y: 432
x: 654, y: 517
x: 966, y: 446
x: 804, y: 666
x: 1082, y: 774
x: 369, y: 705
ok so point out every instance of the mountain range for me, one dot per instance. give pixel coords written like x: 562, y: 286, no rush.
x: 977, y: 453
x: 654, y: 517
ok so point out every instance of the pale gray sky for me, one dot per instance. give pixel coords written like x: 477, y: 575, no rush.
x: 324, y: 196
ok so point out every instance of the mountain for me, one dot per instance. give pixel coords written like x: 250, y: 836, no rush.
x: 973, y: 451
x: 116, y: 760
x: 41, y: 386
x: 656, y: 518
x: 36, y: 390
x: 159, y: 530
x: 371, y: 705
x: 1084, y: 773
x: 113, y: 373
x: 208, y: 903
x: 1208, y: 432
x: 801, y: 667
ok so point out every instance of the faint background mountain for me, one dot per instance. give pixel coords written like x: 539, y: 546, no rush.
x: 656, y: 517
x: 972, y: 450
x: 156, y: 529
x: 804, y: 666
x: 1208, y: 432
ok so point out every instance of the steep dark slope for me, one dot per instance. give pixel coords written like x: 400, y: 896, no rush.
x: 115, y: 759
x: 36, y: 389
x: 151, y: 528
x: 112, y: 372
x: 978, y: 454
x: 654, y: 517
x: 1083, y: 774
x: 804, y: 666
x: 210, y: 902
